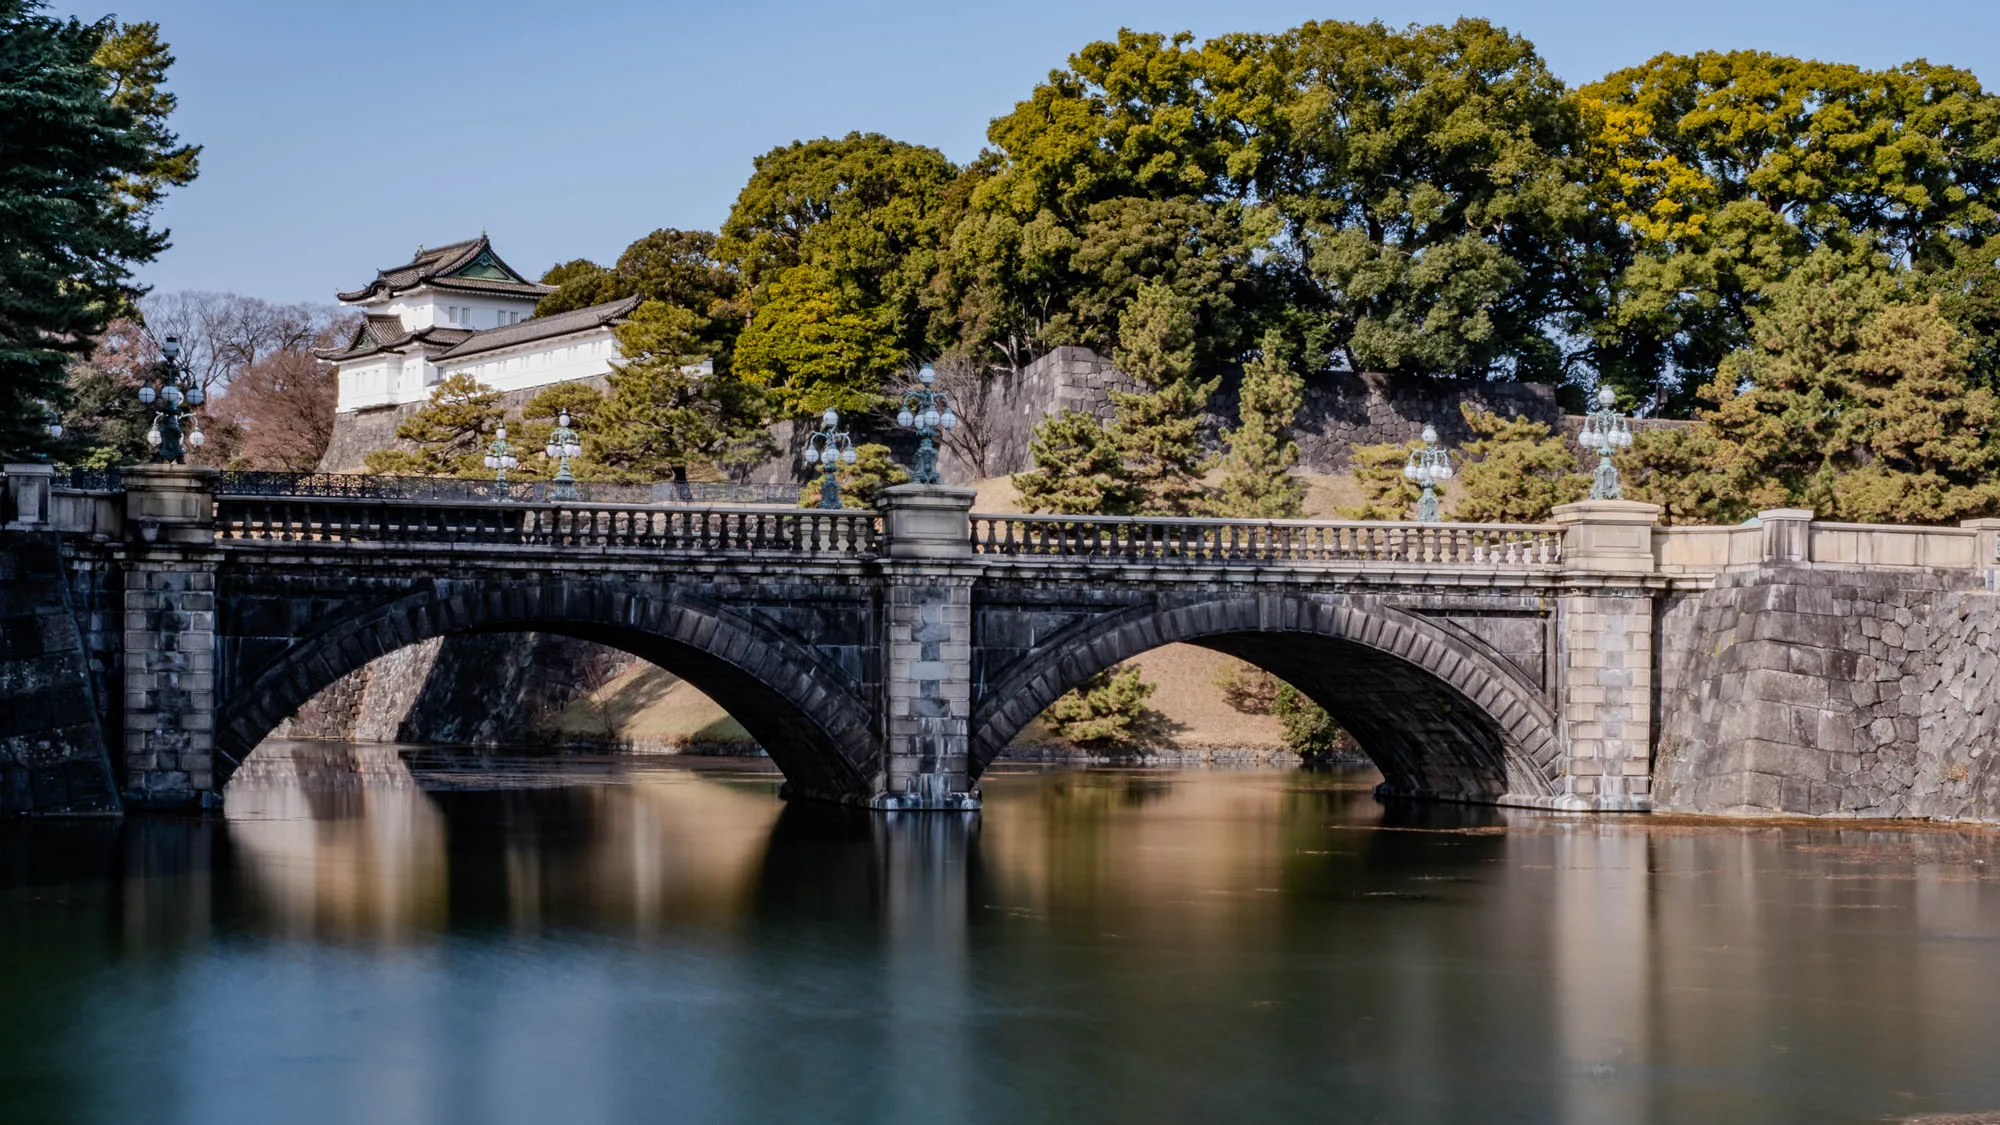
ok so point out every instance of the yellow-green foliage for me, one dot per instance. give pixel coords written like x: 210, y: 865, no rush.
x: 874, y: 469
x: 1256, y: 469
x: 1107, y: 708
x: 1309, y: 731
x: 1515, y: 471
x: 1378, y: 473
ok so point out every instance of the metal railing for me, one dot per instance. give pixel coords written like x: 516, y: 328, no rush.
x: 706, y: 530
x: 72, y: 479
x: 1114, y: 539
x: 362, y: 486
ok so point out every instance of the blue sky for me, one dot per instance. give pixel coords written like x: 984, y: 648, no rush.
x: 340, y: 136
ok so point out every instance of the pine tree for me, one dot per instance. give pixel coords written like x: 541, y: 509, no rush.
x: 451, y: 431
x: 1156, y: 430
x: 664, y: 414
x: 1256, y: 469
x: 874, y: 469
x: 1386, y: 494
x: 1108, y: 708
x: 1516, y: 471
x: 1077, y: 470
x: 69, y: 232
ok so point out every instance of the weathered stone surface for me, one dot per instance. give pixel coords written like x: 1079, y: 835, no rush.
x: 53, y: 752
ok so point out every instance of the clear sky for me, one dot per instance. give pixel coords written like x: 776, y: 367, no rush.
x: 340, y: 136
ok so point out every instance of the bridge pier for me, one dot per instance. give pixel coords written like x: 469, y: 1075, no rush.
x: 928, y: 573
x: 169, y: 637
x: 1604, y: 681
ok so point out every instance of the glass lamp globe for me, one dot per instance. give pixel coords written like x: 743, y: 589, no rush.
x: 1410, y: 471
x: 55, y: 429
x: 172, y: 348
x: 830, y: 419
x: 492, y: 462
x: 501, y: 433
x: 1606, y: 396
x: 572, y: 450
x: 147, y: 394
x: 847, y: 455
x: 812, y: 455
x: 197, y: 439
x: 906, y: 419
x: 153, y: 436
x: 1443, y: 471
x: 512, y: 461
x: 949, y: 420
x: 195, y: 396
x: 927, y: 375
x: 1430, y: 435
x: 174, y: 395
x: 563, y: 419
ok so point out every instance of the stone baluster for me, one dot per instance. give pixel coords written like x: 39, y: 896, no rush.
x: 1787, y: 535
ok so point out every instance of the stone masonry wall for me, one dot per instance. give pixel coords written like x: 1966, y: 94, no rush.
x: 1606, y: 708
x: 53, y: 756
x: 1831, y: 691
x: 472, y: 689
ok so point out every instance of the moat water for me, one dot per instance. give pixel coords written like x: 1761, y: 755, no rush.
x: 458, y: 937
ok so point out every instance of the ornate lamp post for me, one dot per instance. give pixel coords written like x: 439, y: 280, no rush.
x: 177, y: 387
x: 926, y: 411
x: 1427, y: 468
x: 500, y: 456
x: 562, y: 447
x: 831, y: 448
x: 1605, y: 431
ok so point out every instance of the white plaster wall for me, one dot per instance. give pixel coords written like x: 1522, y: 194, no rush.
x: 561, y: 360
x: 427, y: 308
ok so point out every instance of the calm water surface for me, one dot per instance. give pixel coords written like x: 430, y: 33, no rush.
x: 493, y: 939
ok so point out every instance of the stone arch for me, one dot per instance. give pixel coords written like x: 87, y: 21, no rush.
x: 1438, y: 717
x: 806, y: 713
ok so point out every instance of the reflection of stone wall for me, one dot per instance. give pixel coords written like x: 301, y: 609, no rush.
x: 1832, y: 691
x: 471, y: 690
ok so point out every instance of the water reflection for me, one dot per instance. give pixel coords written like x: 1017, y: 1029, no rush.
x: 394, y: 936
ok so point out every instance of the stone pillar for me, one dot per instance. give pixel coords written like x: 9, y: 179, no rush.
x: 928, y: 573
x: 1787, y: 535
x: 28, y: 497
x: 169, y: 649
x: 1986, y: 549
x: 1604, y: 682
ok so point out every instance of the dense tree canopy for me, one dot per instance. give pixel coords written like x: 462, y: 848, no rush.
x: 84, y: 157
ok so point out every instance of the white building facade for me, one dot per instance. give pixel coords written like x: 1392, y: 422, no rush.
x: 461, y: 308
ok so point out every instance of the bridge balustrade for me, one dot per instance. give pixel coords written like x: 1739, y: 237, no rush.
x: 1205, y: 541
x: 704, y: 530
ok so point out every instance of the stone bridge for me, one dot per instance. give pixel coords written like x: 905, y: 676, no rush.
x: 886, y: 657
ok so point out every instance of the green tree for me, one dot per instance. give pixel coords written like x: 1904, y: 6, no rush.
x: 873, y: 470
x: 671, y: 266
x: 665, y: 414
x: 451, y: 432
x: 1309, y: 731
x: 1077, y: 470
x: 1156, y: 430
x: 80, y: 162
x: 1259, y: 453
x: 1378, y: 474
x: 137, y: 60
x: 1107, y: 709
x: 1516, y: 470
x: 1722, y: 171
x: 1423, y: 177
x: 867, y: 213
x: 809, y: 348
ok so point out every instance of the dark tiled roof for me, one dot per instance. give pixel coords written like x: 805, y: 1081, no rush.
x: 542, y: 328
x: 381, y: 333
x: 434, y: 266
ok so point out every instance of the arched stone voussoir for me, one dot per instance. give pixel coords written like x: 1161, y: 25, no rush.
x: 805, y: 711
x: 1440, y: 717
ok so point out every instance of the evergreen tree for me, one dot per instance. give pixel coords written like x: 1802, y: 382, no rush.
x: 665, y: 415
x: 809, y: 346
x: 1156, y: 430
x: 80, y: 168
x: 1310, y: 732
x: 136, y: 60
x: 1256, y: 469
x: 451, y: 431
x: 1516, y: 471
x: 874, y: 469
x: 1106, y: 709
x: 1386, y: 494
x: 1077, y: 470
